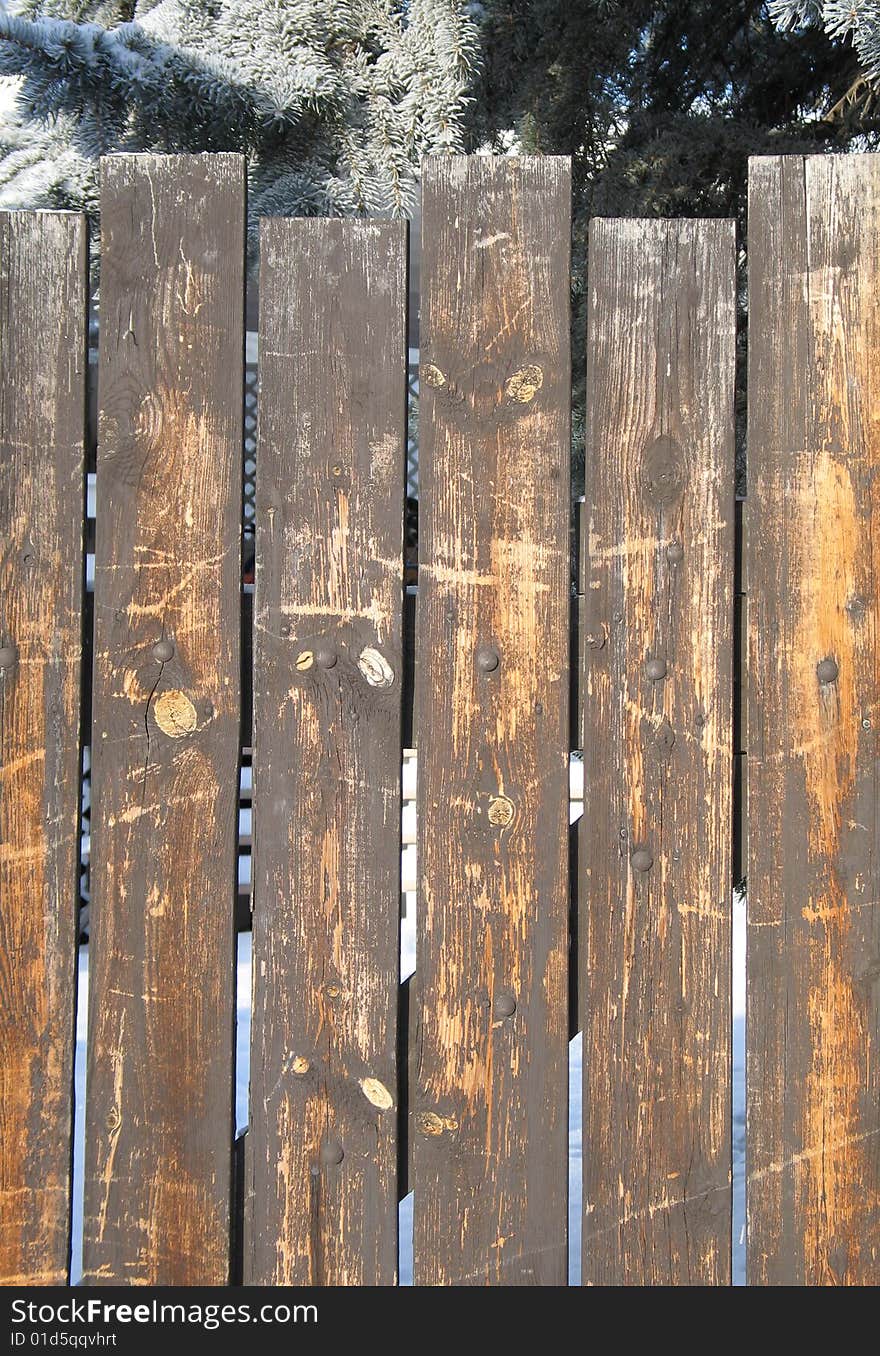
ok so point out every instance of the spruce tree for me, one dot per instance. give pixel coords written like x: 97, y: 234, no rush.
x: 333, y: 103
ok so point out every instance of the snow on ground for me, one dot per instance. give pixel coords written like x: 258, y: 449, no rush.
x: 574, y: 1137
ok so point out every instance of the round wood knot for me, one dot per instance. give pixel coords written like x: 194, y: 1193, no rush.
x: 429, y: 1123
x: 304, y: 661
x: 488, y: 659
x: 300, y: 1065
x: 432, y: 376
x: 377, y: 1094
x: 675, y: 553
x: 175, y: 714
x: 595, y: 638
x: 504, y: 1006
x: 163, y: 650
x: 827, y: 670
x: 524, y: 384
x: 501, y: 811
x: 375, y: 668
x: 332, y: 1152
x: 8, y: 656
x: 664, y: 472
x: 642, y: 859
x: 656, y: 669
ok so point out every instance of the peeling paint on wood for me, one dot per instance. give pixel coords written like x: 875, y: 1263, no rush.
x: 657, y: 586
x: 166, y: 731
x: 327, y: 753
x: 489, y: 1111
x: 43, y: 291
x: 813, y: 562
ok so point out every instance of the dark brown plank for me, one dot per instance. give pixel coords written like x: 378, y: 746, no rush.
x: 327, y: 753
x: 814, y: 664
x: 657, y: 556
x: 165, y: 743
x: 489, y: 1116
x: 43, y: 292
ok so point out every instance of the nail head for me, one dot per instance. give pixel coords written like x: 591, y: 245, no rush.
x: 163, y: 650
x: 642, y: 859
x: 8, y: 656
x: 487, y: 659
x: 675, y: 553
x: 326, y: 656
x: 826, y: 670
x: 504, y: 1006
x: 332, y: 1151
x: 656, y: 669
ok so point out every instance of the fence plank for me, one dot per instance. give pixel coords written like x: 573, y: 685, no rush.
x: 655, y: 844
x: 166, y: 721
x: 490, y: 1114
x: 43, y: 294
x: 814, y: 844
x: 327, y: 752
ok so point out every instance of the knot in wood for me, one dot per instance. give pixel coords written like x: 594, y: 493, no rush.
x: 301, y: 1065
x: 304, y: 661
x: 501, y: 811
x: 377, y: 1094
x: 8, y: 656
x: 429, y: 1123
x: 663, y: 471
x: 432, y: 376
x: 524, y: 384
x: 375, y: 668
x: 175, y: 714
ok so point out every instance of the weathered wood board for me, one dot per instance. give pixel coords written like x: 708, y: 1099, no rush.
x: 657, y: 562
x: 43, y: 311
x: 489, y: 1115
x: 813, y: 563
x: 327, y: 753
x: 165, y: 742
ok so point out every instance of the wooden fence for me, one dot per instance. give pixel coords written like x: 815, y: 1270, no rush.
x: 454, y: 1085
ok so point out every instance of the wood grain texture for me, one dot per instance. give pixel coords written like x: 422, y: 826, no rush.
x: 489, y: 1115
x: 327, y: 753
x: 43, y: 295
x: 165, y: 743
x: 657, y: 558
x: 813, y: 565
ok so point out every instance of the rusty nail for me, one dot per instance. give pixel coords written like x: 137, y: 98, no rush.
x: 642, y: 859
x: 487, y: 659
x: 504, y: 1006
x: 827, y: 670
x: 326, y: 656
x: 8, y: 656
x: 675, y: 553
x: 656, y: 669
x: 163, y: 650
x: 332, y: 1151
